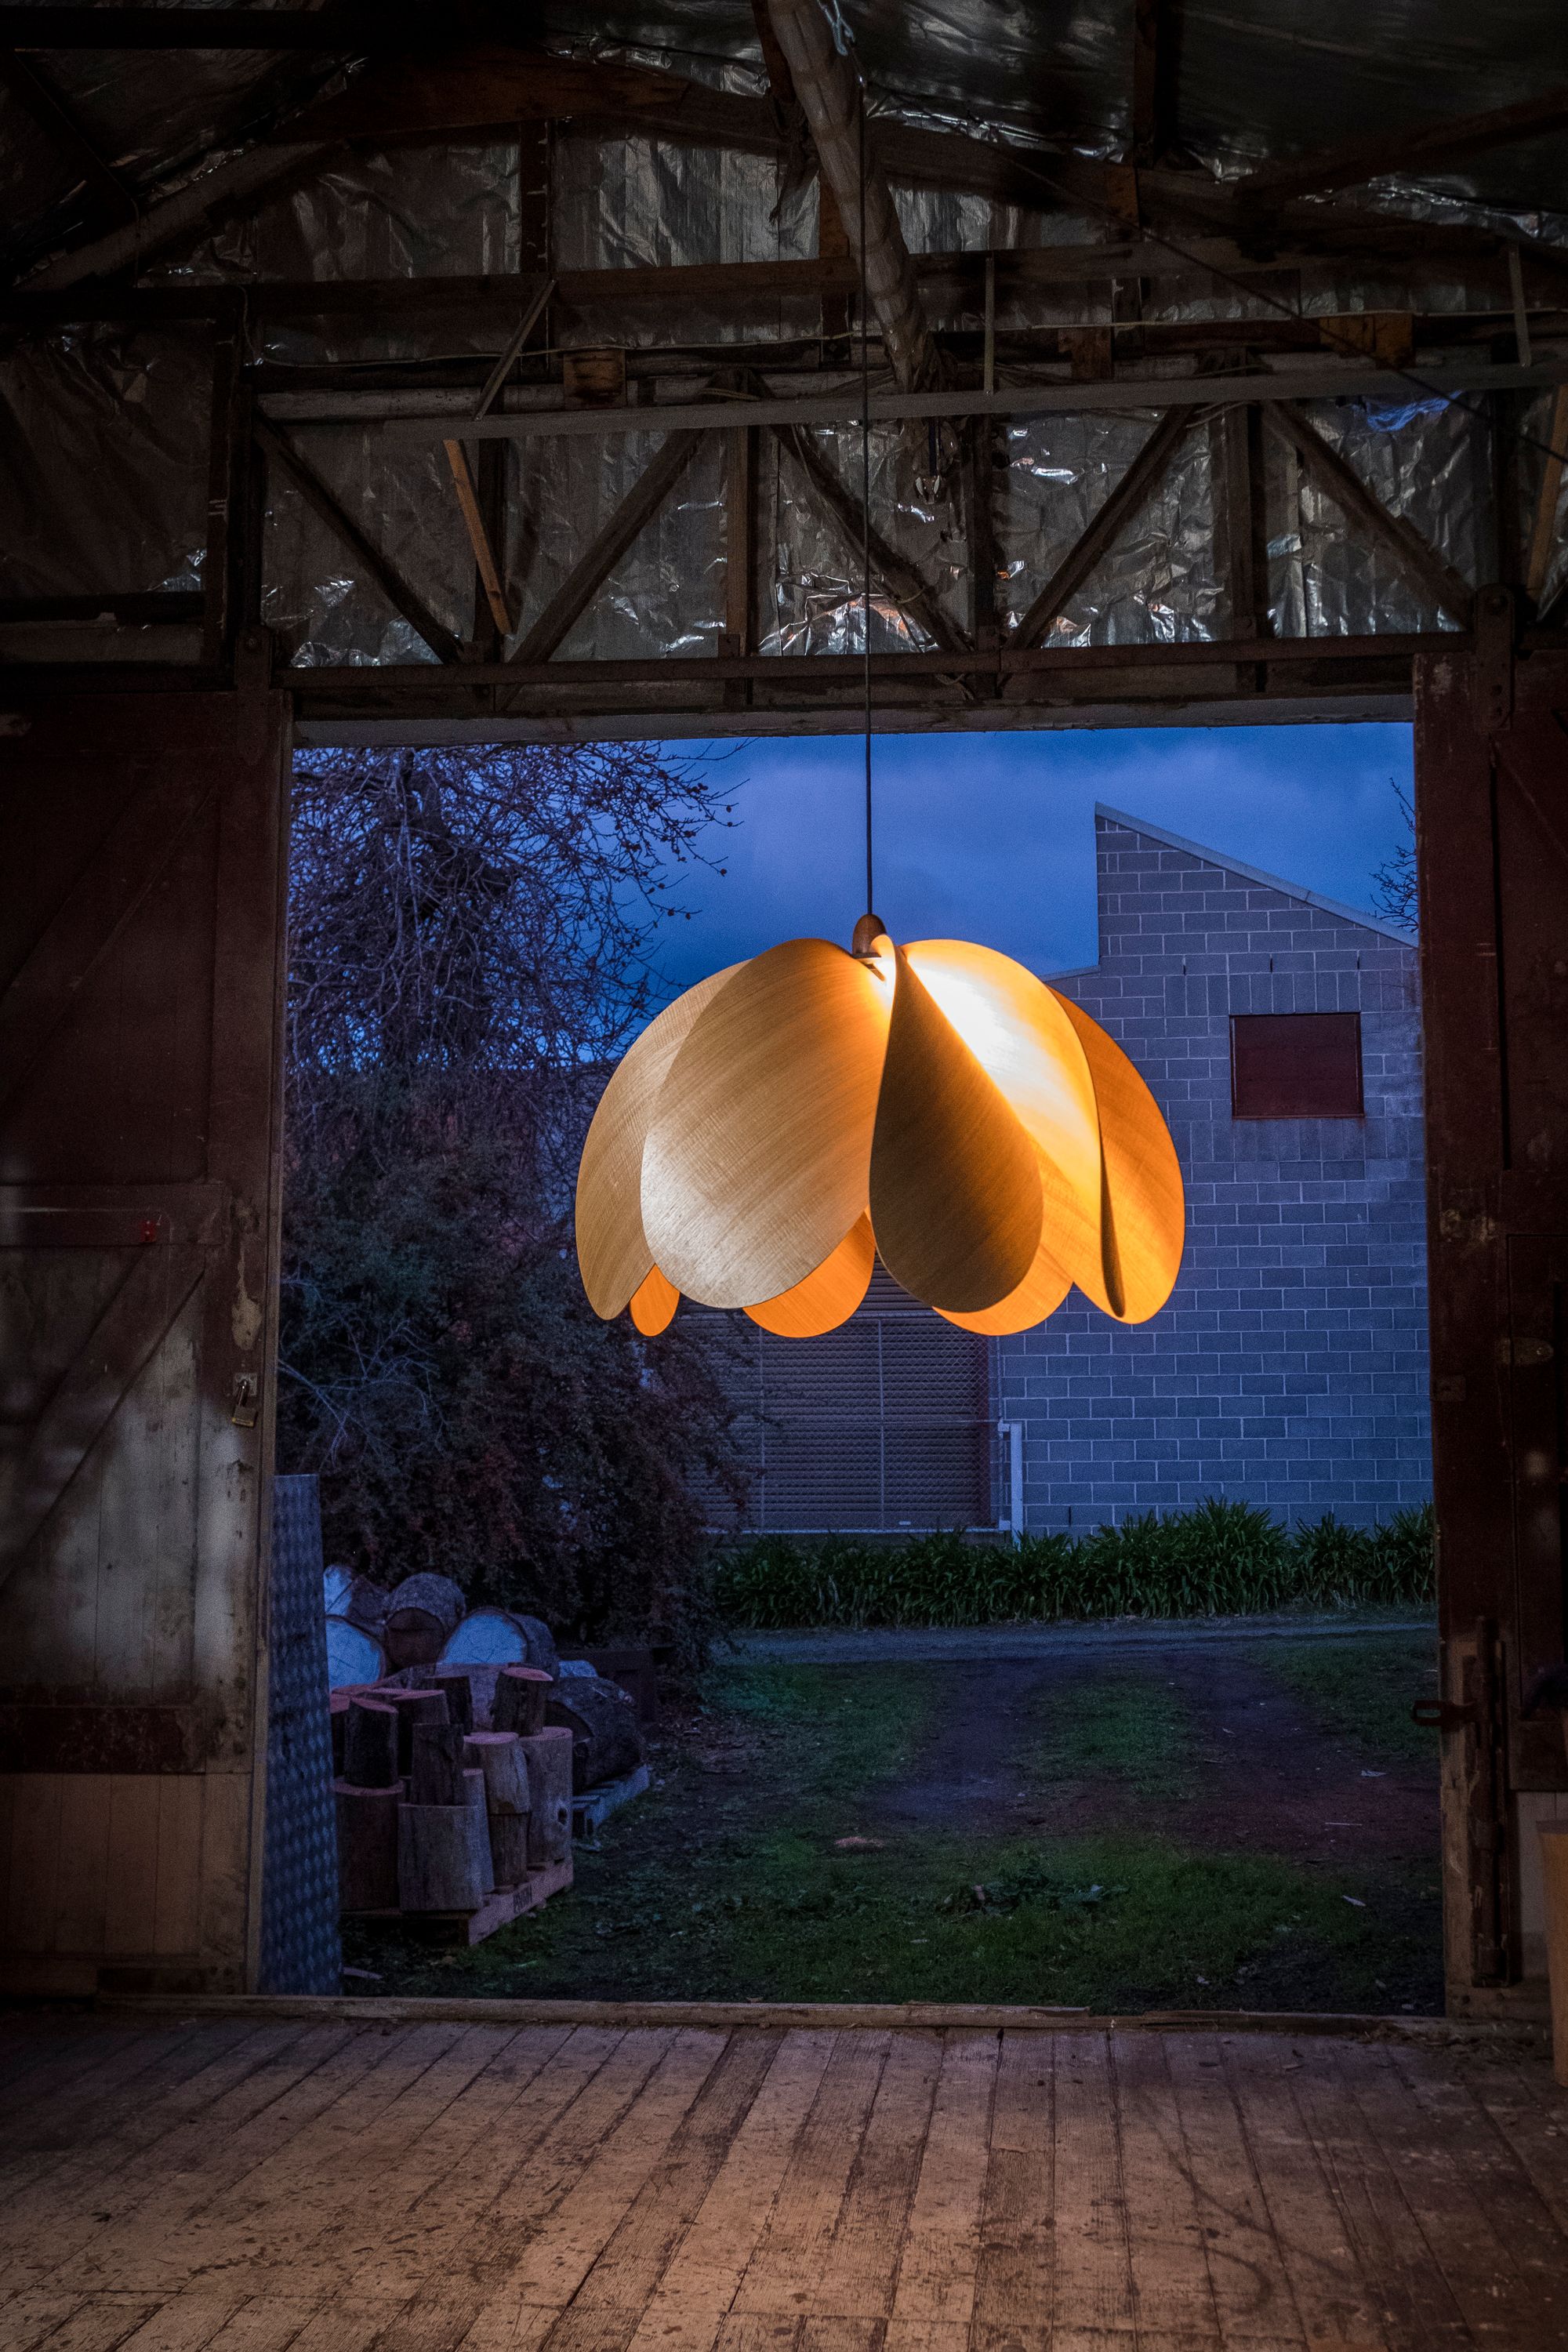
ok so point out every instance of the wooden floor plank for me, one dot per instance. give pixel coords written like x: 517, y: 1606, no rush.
x: 117, y: 2110
x: 449, y: 2213
x: 481, y: 2187
x: 1093, y: 2278
x: 1172, y: 2286
x: 192, y: 2083
x: 691, y: 2306
x: 1496, y: 2275
x: 1017, y: 2264
x: 35, y: 2314
x: 345, y: 2130
x: 272, y: 2201
x: 566, y: 2243
x: 639, y: 2252
x: 1334, y: 2302
x: 941, y: 2258
x: 184, y: 2323
x: 860, y: 2265
x: 1415, y: 2309
x: 787, y: 2260
x: 154, y: 2243
x: 101, y: 2322
x: 1251, y: 2287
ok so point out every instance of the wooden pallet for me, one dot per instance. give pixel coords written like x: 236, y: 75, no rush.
x: 596, y: 1805
x: 497, y: 1910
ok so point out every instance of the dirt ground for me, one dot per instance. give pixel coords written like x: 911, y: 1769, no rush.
x: 1288, y: 1784
x: 1185, y: 1822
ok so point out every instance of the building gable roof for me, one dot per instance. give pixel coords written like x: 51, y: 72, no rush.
x: 1334, y: 906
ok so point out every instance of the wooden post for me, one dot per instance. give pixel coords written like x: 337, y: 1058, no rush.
x: 501, y: 1758
x: 367, y: 1846
x: 370, y: 1743
x: 550, y: 1797
x: 453, y: 1680
x: 443, y: 1858
x: 1555, y: 1871
x: 519, y: 1703
x: 436, y: 1775
x: 413, y: 1707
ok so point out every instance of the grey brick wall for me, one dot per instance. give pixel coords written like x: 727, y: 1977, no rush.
x: 1290, y: 1368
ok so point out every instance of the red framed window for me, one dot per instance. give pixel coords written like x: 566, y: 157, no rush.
x: 1295, y: 1066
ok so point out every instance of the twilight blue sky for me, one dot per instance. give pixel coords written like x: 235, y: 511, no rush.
x: 990, y: 837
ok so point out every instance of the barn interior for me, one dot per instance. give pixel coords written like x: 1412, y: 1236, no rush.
x: 372, y: 378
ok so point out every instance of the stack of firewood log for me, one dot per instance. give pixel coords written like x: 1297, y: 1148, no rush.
x: 448, y: 1811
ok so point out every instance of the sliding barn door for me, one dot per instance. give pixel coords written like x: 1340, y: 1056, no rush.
x: 141, y: 846
x: 1493, y: 822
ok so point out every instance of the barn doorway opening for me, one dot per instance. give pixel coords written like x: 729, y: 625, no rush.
x: 1077, y: 1666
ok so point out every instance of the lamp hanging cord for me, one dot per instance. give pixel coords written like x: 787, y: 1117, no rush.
x: 866, y: 505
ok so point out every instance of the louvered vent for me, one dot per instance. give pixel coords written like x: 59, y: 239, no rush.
x: 882, y: 1424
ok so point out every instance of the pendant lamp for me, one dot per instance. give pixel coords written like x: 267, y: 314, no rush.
x: 783, y: 1123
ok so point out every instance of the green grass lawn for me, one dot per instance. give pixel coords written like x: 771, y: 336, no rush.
x: 726, y: 1883
x: 1363, y: 1689
x: 1123, y: 1727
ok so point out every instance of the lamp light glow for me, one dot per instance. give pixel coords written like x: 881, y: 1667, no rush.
x: 784, y: 1122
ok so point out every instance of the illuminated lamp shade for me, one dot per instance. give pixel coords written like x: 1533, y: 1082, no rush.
x: 781, y: 1126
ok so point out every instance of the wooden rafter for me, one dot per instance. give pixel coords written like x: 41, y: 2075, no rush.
x: 834, y: 106
x: 1543, y: 530
x: 28, y: 87
x: 1433, y: 147
x: 1132, y: 492
x: 899, y: 576
x: 593, y: 567
x: 1422, y: 568
x: 238, y: 182
x: 366, y: 554
x: 485, y: 561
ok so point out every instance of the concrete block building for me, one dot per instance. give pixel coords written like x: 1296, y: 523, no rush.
x: 1280, y: 1035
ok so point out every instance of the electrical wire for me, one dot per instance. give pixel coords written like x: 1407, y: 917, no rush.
x: 866, y: 505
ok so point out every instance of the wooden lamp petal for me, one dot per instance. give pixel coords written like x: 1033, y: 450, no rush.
x: 1146, y: 1210
x: 612, y: 1254
x: 1039, y: 1294
x: 828, y: 1297
x: 653, y: 1304
x: 758, y: 1152
x: 956, y: 1204
x: 1015, y: 1028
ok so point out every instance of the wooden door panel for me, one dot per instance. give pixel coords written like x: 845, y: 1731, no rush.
x: 141, y: 876
x: 1492, y: 827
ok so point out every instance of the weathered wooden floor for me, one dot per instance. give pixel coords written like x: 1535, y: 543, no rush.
x: 219, y: 2185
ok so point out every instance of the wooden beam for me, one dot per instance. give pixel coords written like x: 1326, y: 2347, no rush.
x: 485, y: 84
x: 1422, y: 569
x: 227, y: 186
x: 900, y: 577
x: 740, y: 456
x: 366, y: 554
x: 1241, y: 534
x: 485, y: 561
x: 336, y: 28
x: 1543, y: 532
x: 833, y: 104
x: 1433, y: 147
x: 1151, y: 112
x: 979, y: 485
x: 1137, y: 485
x: 593, y: 567
x: 61, y: 127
